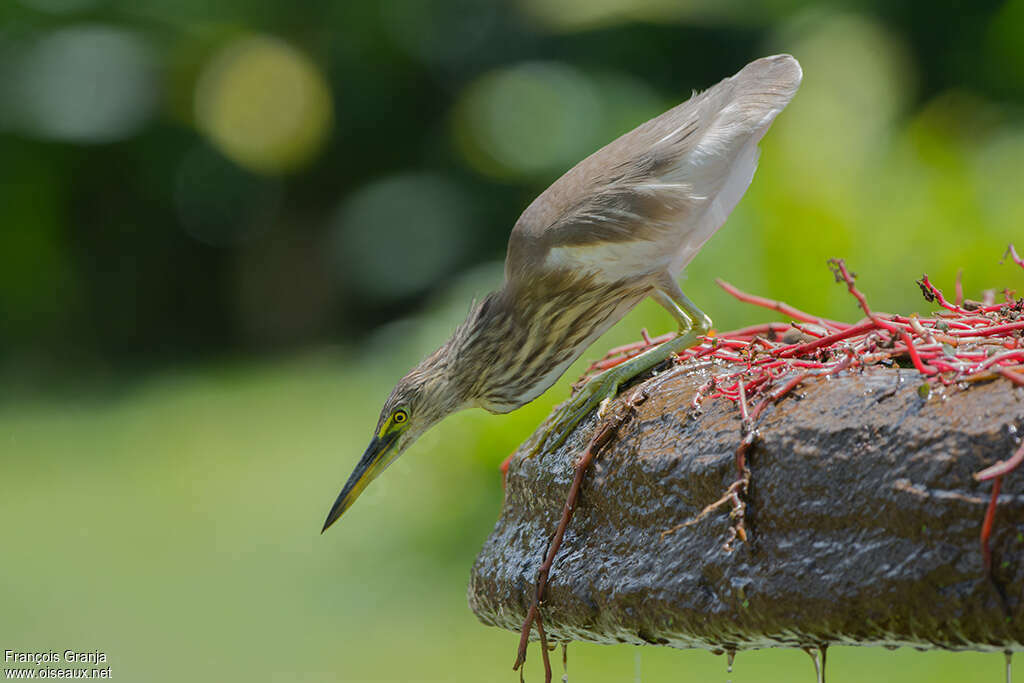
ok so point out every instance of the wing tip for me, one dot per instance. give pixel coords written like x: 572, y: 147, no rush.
x: 783, y: 70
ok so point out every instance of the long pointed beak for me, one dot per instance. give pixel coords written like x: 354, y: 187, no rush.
x: 373, y: 462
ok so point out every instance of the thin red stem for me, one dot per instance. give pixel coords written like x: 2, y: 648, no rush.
x: 1014, y: 377
x: 809, y: 332
x: 779, y: 306
x: 988, y: 523
x: 754, y: 330
x: 601, y: 437
x: 933, y: 293
x: 1002, y: 467
x: 807, y: 347
x: 916, y: 359
x: 841, y: 272
x: 988, y: 331
x: 1000, y: 357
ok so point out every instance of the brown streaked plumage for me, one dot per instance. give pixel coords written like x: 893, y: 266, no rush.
x: 616, y: 228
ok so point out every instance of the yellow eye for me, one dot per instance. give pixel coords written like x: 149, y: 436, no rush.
x: 399, y: 417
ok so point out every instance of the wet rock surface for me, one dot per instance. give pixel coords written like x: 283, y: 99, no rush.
x: 863, y: 521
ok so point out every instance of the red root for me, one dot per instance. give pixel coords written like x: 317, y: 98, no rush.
x: 1002, y: 467
x: 988, y: 523
x: 601, y: 438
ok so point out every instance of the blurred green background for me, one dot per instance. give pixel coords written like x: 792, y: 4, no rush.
x: 226, y: 228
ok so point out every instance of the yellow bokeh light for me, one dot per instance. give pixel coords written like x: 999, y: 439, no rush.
x: 264, y: 104
x: 528, y: 120
x: 534, y: 120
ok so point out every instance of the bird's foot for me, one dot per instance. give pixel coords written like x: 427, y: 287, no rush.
x: 597, y: 393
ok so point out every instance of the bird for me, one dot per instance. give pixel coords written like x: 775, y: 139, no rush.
x: 618, y: 227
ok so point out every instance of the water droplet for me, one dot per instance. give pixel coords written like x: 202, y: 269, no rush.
x: 637, y: 667
x: 1009, y: 666
x: 730, y: 656
x: 813, y: 654
x: 565, y: 662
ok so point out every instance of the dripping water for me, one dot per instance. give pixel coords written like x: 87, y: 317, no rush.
x: 813, y: 654
x: 1009, y: 666
x: 565, y: 662
x: 637, y: 667
x: 730, y: 657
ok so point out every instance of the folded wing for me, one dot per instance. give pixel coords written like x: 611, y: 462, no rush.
x: 650, y: 199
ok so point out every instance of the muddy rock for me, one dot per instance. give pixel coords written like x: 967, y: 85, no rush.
x: 862, y: 513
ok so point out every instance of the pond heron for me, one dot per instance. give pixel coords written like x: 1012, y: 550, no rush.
x: 619, y: 227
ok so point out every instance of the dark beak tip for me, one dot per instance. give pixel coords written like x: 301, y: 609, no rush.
x: 346, y: 497
x: 332, y: 517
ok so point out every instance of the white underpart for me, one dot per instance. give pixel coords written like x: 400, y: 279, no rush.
x: 612, y: 261
x: 727, y: 178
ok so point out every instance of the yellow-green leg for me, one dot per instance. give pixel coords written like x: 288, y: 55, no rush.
x: 693, y: 324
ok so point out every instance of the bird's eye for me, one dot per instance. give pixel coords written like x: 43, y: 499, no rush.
x: 399, y: 417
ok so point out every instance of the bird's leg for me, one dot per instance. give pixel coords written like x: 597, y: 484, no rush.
x: 693, y: 324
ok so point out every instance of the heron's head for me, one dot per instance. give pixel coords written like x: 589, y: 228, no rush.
x: 421, y: 398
